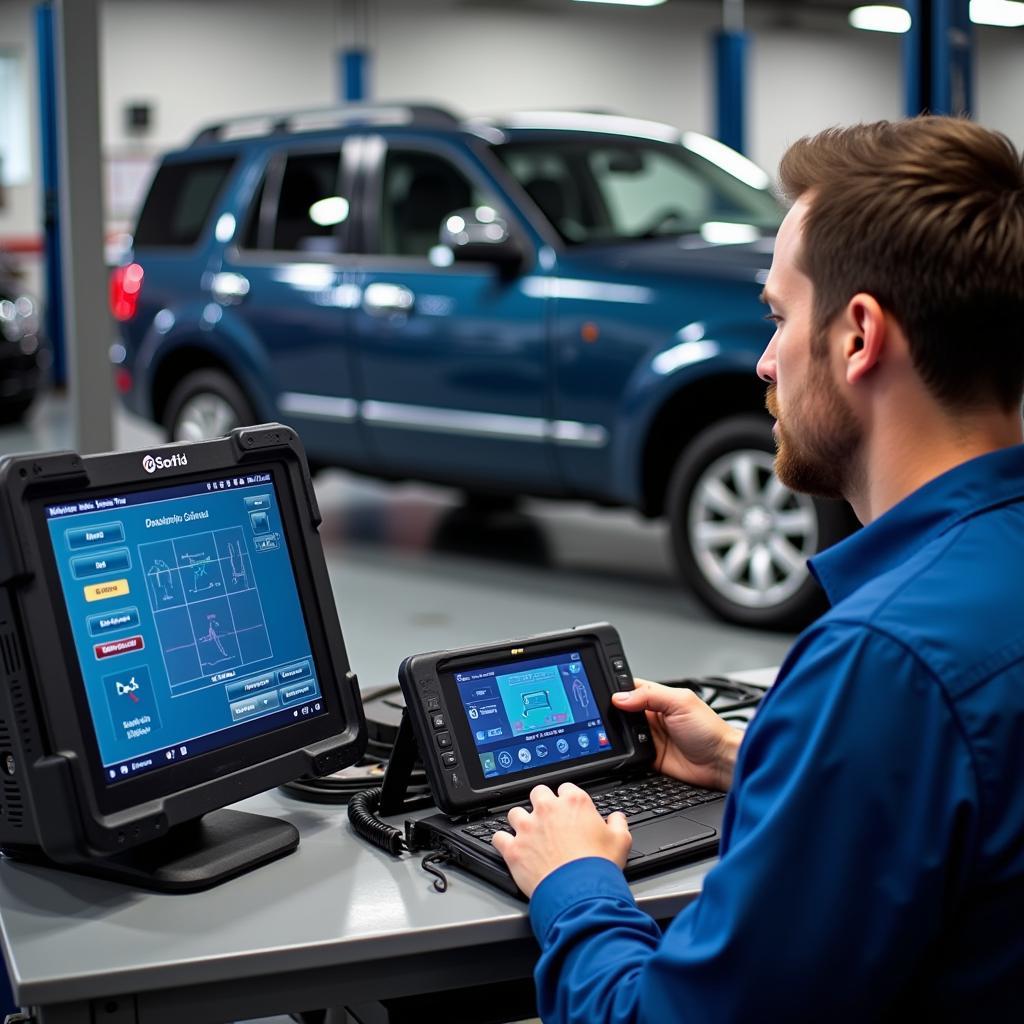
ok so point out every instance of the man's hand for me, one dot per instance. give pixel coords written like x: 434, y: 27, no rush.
x: 691, y: 742
x: 560, y: 829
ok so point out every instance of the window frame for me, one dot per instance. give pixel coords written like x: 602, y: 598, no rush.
x: 270, y: 181
x: 216, y: 206
x: 371, y: 198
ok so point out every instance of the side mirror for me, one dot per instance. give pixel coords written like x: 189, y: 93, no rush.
x: 478, y: 233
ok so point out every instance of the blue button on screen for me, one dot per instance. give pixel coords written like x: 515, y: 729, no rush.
x: 95, y: 536
x: 86, y: 566
x: 112, y: 621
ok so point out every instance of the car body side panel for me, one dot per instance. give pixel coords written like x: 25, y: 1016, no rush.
x: 651, y: 390
x: 623, y: 344
x: 456, y: 385
x: 207, y: 328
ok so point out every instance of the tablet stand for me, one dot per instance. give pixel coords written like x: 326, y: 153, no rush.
x: 193, y: 856
x: 395, y: 789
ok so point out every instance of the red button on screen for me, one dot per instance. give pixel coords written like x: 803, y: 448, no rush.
x: 126, y: 645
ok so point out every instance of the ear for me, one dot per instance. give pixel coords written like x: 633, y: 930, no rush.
x: 864, y: 336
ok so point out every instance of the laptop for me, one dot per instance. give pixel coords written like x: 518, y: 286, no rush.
x: 493, y: 721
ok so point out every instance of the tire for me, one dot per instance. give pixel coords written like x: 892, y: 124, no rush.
x: 206, y: 403
x: 740, y: 538
x: 14, y: 410
x: 483, y: 503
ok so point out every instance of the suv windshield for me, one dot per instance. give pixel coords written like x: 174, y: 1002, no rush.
x: 598, y: 190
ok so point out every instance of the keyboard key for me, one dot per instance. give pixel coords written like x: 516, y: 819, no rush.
x: 637, y: 818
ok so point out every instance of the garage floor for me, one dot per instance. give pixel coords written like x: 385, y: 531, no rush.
x: 413, y: 570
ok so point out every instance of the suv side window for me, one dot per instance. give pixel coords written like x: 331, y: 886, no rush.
x: 419, y: 190
x: 299, y: 208
x: 180, y: 201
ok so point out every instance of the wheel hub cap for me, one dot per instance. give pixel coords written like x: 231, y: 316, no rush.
x: 750, y: 535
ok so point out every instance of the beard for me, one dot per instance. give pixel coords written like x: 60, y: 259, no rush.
x: 816, y: 448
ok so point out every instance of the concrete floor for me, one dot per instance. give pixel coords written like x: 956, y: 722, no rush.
x: 413, y: 571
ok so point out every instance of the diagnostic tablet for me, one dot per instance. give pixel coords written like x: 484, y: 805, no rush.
x: 493, y: 721
x: 171, y: 640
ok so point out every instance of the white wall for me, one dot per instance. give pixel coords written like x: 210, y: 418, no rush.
x: 999, y: 100
x: 199, y: 60
x: 653, y: 63
x: 801, y: 82
x: 19, y: 215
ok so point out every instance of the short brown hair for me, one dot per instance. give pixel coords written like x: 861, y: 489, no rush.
x: 926, y: 215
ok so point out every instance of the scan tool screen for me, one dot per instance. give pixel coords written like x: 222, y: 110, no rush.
x: 533, y: 714
x: 185, y: 618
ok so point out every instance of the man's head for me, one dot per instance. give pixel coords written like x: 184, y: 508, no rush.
x: 913, y: 228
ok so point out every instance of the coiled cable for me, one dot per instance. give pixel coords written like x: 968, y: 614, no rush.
x: 362, y: 813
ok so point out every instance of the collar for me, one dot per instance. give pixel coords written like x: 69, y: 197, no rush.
x: 975, y: 486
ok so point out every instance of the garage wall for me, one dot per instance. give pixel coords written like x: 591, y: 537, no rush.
x: 801, y: 82
x: 652, y: 63
x: 1000, y: 80
x: 199, y: 61
x: 19, y: 214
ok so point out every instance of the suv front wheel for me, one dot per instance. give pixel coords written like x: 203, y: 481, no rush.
x: 741, y: 538
x: 206, y: 403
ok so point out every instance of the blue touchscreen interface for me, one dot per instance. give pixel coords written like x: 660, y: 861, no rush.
x: 532, y: 714
x: 185, y: 618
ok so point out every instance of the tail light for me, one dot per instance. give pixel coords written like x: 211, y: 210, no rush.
x: 125, y: 288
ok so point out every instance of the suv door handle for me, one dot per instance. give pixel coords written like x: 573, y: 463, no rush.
x: 229, y: 289
x: 382, y: 299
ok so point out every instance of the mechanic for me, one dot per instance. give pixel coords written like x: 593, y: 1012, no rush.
x: 872, y: 853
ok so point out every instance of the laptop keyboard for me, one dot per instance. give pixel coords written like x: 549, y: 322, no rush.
x: 642, y: 800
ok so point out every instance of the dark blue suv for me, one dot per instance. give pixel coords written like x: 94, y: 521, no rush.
x: 554, y: 304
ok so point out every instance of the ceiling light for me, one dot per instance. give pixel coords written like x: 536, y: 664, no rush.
x: 880, y: 18
x: 625, y: 3
x: 1006, y: 13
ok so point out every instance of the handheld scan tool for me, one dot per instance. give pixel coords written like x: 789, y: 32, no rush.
x: 169, y: 644
x: 494, y: 721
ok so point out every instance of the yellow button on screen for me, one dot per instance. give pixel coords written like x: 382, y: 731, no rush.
x: 101, y: 591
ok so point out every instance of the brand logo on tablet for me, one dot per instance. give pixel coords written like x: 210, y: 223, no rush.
x: 151, y: 464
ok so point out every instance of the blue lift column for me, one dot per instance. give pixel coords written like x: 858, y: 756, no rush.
x: 353, y: 74
x: 730, y: 77
x: 937, y: 58
x: 54, y: 286
x: 354, y: 60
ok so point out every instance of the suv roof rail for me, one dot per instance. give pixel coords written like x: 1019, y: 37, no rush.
x: 602, y: 122
x: 323, y: 118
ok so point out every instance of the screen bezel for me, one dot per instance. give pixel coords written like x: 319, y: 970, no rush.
x: 166, y: 780
x: 621, y: 747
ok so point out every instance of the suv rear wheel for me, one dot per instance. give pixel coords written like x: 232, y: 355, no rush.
x: 741, y: 538
x: 207, y: 403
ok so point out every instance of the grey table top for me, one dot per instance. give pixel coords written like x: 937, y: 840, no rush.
x: 336, y: 908
x: 335, y: 903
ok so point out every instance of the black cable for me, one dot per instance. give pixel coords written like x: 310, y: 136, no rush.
x: 340, y: 789
x: 726, y: 695
x: 362, y: 813
x: 428, y: 864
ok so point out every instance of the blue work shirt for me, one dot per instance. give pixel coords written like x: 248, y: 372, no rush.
x: 872, y: 851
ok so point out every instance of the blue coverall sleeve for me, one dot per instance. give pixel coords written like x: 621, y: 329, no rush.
x: 850, y: 827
